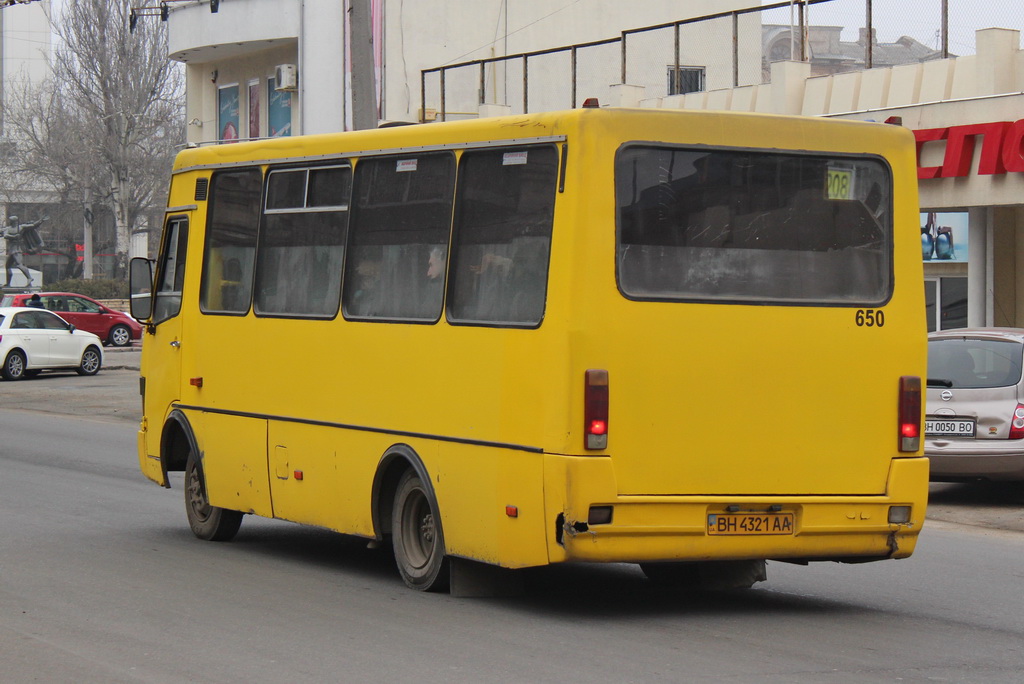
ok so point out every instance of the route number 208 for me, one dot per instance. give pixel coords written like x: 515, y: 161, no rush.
x: 870, y: 318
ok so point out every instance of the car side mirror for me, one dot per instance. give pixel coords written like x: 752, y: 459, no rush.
x: 141, y: 288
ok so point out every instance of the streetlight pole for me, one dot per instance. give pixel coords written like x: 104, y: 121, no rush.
x: 87, y: 236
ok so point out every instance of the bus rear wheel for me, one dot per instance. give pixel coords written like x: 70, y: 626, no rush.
x: 416, y: 536
x: 207, y: 522
x: 707, y: 575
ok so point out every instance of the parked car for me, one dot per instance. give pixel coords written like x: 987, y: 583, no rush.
x: 113, y: 327
x: 974, y: 427
x: 33, y: 340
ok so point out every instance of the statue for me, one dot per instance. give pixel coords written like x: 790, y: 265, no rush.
x: 21, y: 237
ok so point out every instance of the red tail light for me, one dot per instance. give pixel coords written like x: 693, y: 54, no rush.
x: 1017, y: 424
x: 595, y: 410
x: 910, y: 413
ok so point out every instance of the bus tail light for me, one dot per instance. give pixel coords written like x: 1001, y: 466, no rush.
x: 1017, y: 423
x: 910, y: 413
x: 595, y: 410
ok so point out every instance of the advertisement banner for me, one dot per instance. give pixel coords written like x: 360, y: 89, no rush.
x: 944, y: 236
x: 227, y: 113
x: 279, y: 110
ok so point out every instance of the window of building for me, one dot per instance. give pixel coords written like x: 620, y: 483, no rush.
x: 401, y: 218
x: 946, y: 302
x: 685, y: 79
x: 503, y: 216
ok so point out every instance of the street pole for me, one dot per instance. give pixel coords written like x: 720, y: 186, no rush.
x: 87, y: 237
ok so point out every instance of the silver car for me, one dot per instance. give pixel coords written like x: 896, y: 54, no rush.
x: 974, y: 427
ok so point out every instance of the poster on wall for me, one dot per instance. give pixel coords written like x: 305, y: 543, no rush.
x: 227, y: 112
x: 279, y: 114
x: 254, y: 109
x: 944, y: 236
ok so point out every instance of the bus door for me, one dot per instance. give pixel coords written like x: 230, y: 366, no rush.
x: 162, y: 373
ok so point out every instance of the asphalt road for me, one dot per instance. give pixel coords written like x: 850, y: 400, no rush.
x: 114, y: 394
x: 101, y: 582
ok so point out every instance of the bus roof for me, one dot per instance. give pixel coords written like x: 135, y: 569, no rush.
x: 780, y: 131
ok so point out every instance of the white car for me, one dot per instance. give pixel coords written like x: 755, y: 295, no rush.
x: 33, y: 340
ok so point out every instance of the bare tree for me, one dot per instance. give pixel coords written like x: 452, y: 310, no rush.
x: 105, y: 127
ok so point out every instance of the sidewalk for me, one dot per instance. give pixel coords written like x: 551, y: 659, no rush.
x: 122, y: 358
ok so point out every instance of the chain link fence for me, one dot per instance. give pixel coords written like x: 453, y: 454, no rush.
x: 717, y: 52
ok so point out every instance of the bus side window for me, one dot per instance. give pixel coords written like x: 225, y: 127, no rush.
x: 230, y: 249
x: 302, y: 242
x: 503, y: 217
x: 401, y: 217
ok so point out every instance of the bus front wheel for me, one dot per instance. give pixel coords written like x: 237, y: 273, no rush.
x: 416, y: 536
x: 207, y: 522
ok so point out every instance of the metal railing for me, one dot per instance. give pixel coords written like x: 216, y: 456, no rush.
x: 687, y: 56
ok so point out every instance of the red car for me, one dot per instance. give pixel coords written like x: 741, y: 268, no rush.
x: 113, y: 327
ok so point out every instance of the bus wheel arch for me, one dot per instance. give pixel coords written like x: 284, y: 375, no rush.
x: 176, y: 442
x: 179, y: 451
x: 404, y: 506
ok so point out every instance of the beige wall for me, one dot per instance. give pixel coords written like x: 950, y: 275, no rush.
x: 201, y: 90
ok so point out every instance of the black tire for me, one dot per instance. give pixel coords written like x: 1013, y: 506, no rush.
x: 119, y: 336
x: 91, y: 362
x: 707, y: 575
x: 207, y: 522
x: 14, y: 365
x: 417, y: 537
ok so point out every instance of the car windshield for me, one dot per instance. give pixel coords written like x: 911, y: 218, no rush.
x: 973, y: 363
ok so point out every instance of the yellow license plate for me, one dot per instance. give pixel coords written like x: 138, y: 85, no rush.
x: 750, y: 523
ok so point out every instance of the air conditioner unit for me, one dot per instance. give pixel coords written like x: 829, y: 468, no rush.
x: 286, y: 77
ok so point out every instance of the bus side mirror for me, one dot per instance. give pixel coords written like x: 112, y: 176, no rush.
x: 141, y: 287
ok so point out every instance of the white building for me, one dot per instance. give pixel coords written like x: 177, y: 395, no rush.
x: 345, y: 69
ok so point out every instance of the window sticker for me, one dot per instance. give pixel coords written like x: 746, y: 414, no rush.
x: 513, y: 158
x: 405, y: 165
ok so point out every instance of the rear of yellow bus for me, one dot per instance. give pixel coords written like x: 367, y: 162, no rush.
x: 748, y: 342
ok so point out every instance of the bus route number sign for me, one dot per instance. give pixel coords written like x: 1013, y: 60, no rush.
x: 840, y: 183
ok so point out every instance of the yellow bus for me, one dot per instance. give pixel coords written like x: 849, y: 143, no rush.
x: 687, y: 340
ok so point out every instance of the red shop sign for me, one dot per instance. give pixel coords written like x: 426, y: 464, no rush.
x: 1000, y: 149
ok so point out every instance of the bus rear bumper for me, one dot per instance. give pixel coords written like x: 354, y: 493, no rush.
x: 793, y: 528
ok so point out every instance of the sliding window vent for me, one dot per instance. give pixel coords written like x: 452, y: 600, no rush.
x: 202, y: 187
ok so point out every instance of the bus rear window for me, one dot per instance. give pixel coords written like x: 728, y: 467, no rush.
x: 746, y: 226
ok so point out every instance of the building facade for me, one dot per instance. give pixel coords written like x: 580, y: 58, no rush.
x: 263, y: 68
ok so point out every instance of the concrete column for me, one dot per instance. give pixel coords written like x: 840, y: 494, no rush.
x: 979, y: 276
x: 995, y: 67
x: 787, y: 90
x: 625, y: 95
x: 487, y: 110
